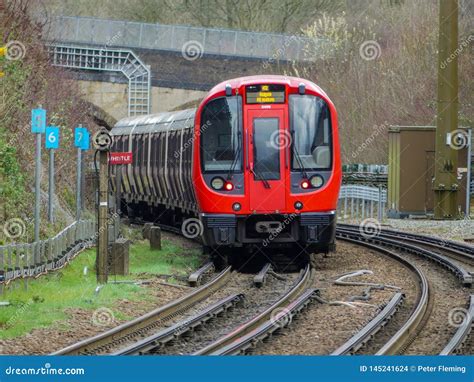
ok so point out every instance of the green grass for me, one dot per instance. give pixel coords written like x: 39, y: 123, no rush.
x: 46, y: 298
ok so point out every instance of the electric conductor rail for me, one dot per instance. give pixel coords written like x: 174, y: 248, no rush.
x: 251, y: 325
x: 465, y: 276
x: 128, y: 331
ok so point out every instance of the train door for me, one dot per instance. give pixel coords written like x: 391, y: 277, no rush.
x: 266, y: 132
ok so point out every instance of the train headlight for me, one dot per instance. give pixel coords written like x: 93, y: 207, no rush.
x: 304, y: 184
x: 236, y: 206
x: 217, y: 183
x: 298, y: 205
x: 316, y: 181
x: 229, y: 186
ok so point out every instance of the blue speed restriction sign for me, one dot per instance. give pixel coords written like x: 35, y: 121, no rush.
x: 52, y: 137
x: 38, y: 120
x: 81, y: 138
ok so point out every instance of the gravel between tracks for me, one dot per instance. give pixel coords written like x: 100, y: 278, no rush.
x: 322, y: 328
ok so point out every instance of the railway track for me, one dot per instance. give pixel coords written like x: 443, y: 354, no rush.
x: 274, y: 318
x: 463, y: 274
x: 459, y: 251
x: 411, y: 327
x: 243, y: 336
x: 130, y: 331
x: 408, y: 332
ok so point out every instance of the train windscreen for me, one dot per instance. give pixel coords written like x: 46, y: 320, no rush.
x: 311, y: 128
x: 220, y: 135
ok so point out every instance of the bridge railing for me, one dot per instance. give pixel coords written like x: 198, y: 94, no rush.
x: 31, y: 260
x: 360, y: 202
x: 180, y: 38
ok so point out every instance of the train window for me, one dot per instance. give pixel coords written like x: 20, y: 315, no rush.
x: 266, y: 156
x: 221, y: 135
x: 311, y: 127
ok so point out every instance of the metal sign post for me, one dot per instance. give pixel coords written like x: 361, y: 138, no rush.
x: 81, y: 141
x: 38, y: 126
x: 51, y: 143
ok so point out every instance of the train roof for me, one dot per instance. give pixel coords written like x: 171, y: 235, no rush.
x: 267, y: 78
x: 166, y: 121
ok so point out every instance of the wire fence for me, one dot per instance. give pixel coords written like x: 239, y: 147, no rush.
x: 192, y: 42
x: 360, y: 202
x: 24, y: 261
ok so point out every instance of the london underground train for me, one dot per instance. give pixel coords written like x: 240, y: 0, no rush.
x: 256, y: 166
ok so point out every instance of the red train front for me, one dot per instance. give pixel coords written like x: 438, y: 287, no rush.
x: 266, y: 165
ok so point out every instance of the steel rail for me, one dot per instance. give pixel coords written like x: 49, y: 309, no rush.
x: 131, y: 329
x: 410, y: 329
x: 458, y: 270
x: 242, y: 344
x: 261, y: 318
x: 159, y: 339
x: 368, y: 331
x: 455, y: 344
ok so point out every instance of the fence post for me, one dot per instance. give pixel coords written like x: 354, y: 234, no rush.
x: 380, y: 212
x: 345, y: 207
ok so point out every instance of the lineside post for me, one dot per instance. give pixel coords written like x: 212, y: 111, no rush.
x: 102, y: 141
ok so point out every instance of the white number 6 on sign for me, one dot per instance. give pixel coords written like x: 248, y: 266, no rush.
x: 51, y: 137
